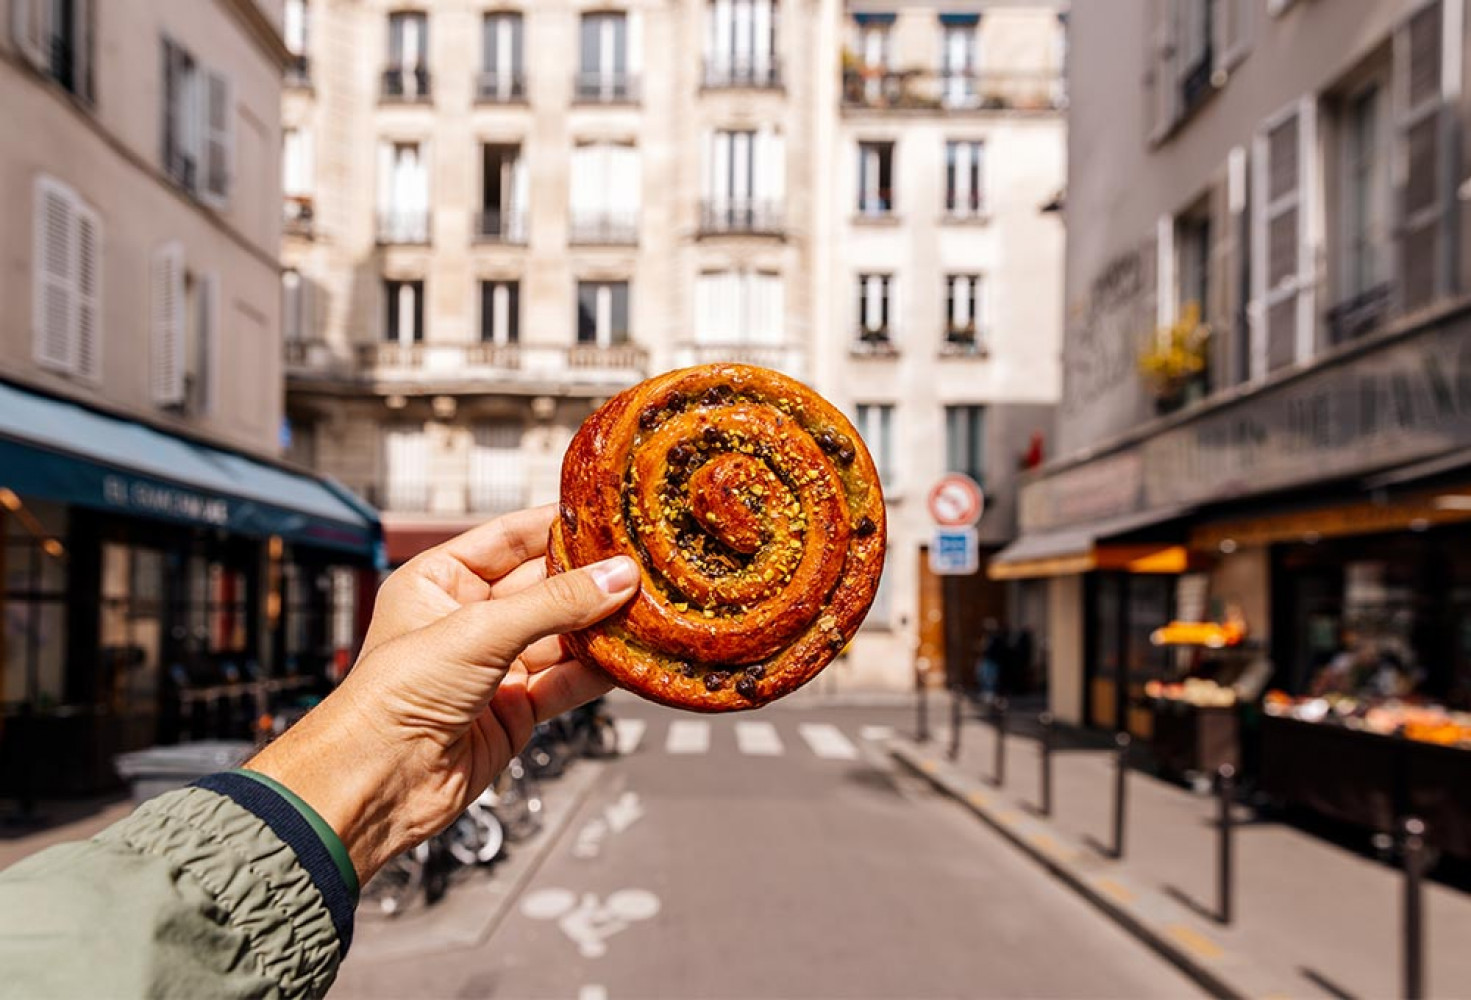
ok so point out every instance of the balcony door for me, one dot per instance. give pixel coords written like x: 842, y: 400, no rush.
x: 503, y: 192
x: 605, y: 69
x: 741, y: 42
x: 403, y: 193
x: 502, y: 76
x: 958, y: 60
x: 745, y: 178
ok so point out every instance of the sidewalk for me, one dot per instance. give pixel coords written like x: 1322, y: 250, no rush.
x: 1312, y: 919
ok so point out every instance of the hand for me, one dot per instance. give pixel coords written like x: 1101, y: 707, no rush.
x: 462, y: 659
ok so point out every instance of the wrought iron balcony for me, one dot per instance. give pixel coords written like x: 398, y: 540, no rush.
x: 874, y: 343
x: 605, y: 87
x: 299, y: 216
x: 744, y: 216
x: 963, y: 342
x: 603, y: 229
x: 501, y: 88
x: 400, y: 84
x: 789, y: 359
x: 496, y: 225
x: 589, y: 369
x: 403, y: 227
x: 724, y: 74
x: 877, y: 88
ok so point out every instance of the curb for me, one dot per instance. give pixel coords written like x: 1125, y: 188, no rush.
x: 1159, y: 922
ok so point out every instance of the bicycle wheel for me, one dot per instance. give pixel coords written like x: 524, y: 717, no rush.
x: 476, y: 837
x: 517, y: 802
x: 393, y: 890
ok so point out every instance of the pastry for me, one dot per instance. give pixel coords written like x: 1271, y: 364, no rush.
x: 757, y: 517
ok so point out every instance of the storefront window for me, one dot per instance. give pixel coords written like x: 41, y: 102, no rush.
x: 131, y: 633
x: 33, y: 608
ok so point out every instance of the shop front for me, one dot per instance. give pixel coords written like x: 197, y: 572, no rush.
x: 158, y: 590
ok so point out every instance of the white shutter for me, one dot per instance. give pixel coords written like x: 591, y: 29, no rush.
x: 769, y: 316
x: 30, y: 27
x: 1166, y: 308
x: 385, y: 179
x: 294, y: 26
x: 626, y: 180
x: 87, y: 344
x: 741, y: 156
x: 873, y: 304
x: 1309, y: 228
x: 635, y: 23
x: 217, y: 127
x: 720, y: 153
x: 761, y: 42
x: 166, y: 305
x: 718, y: 38
x: 1422, y: 187
x: 771, y: 160
x: 54, y: 294
x: 1284, y: 239
x: 520, y: 195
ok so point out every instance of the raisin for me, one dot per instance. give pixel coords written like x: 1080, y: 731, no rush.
x: 569, y: 518
x: 715, y: 680
x: 676, y: 401
x: 681, y: 455
x: 716, y: 394
x: 746, y: 686
x: 685, y: 669
x: 756, y: 671
x: 712, y: 435
x: 845, y: 455
x: 649, y: 419
x: 828, y: 442
x: 866, y: 527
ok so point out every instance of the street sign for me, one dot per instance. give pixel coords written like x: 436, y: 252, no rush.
x: 956, y: 500
x: 955, y: 552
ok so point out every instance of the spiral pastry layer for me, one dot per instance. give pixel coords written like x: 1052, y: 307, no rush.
x: 756, y: 514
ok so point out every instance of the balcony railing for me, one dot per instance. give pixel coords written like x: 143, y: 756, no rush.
x: 1359, y: 315
x: 471, y: 367
x: 963, y: 342
x: 403, y: 227
x: 406, y: 85
x: 603, y: 229
x: 786, y: 358
x: 727, y: 74
x: 874, y: 343
x: 917, y: 90
x: 501, y: 88
x: 299, y: 216
x: 420, y: 496
x: 605, y: 87
x: 298, y: 71
x: 496, y: 225
x: 746, y: 216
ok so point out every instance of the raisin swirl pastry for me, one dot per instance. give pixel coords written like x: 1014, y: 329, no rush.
x: 756, y: 514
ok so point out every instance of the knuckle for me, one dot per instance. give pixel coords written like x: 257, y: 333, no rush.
x: 565, y: 588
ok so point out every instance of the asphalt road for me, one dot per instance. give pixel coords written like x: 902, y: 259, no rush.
x: 776, y: 856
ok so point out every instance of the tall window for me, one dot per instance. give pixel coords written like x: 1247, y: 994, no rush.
x: 958, y: 60
x: 295, y: 324
x: 407, y: 74
x: 1196, y: 58
x: 965, y: 191
x: 965, y: 441
x: 183, y: 312
x: 503, y: 194
x: 406, y: 467
x: 875, y: 178
x: 1363, y: 170
x: 403, y: 193
x: 736, y: 307
x: 403, y: 316
x: 874, y: 294
x: 870, y: 82
x: 55, y: 36
x: 198, y: 126
x: 296, y: 26
x: 875, y: 423
x: 965, y: 317
x: 502, y: 76
x: 605, y: 194
x: 605, y: 73
x: 500, y: 312
x: 298, y: 172
x: 497, y: 468
x: 602, y: 313
x: 745, y: 181
x: 66, y: 295
x: 740, y: 44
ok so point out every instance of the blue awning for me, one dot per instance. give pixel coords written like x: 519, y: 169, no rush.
x: 61, y: 451
x: 873, y: 18
x: 961, y: 19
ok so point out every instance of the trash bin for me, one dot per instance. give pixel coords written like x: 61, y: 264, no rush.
x: 161, y: 769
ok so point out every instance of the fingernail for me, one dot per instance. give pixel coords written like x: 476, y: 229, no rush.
x: 613, y: 576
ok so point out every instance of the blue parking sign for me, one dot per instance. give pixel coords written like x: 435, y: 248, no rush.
x: 955, y: 552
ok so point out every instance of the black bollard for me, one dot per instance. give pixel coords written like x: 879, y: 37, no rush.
x: 998, y: 768
x: 1226, y: 789
x: 1045, y: 721
x: 1413, y: 846
x: 1120, y: 791
x: 955, y: 696
x: 922, y: 722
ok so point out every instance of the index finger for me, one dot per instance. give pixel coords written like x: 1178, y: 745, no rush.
x: 493, y: 549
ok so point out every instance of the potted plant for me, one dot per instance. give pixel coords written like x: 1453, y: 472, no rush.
x: 1173, y: 361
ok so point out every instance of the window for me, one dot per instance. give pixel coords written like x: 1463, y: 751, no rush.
x: 295, y: 26
x: 965, y: 195
x: 198, y: 126
x: 66, y: 293
x: 298, y: 181
x: 55, y: 36
x: 34, y: 589
x: 965, y: 313
x: 298, y: 307
x: 403, y: 193
x: 1196, y: 60
x: 503, y: 194
x: 502, y: 73
x: 403, y: 318
x: 500, y: 312
x: 606, y: 72
x: 407, y: 75
x: 1363, y: 219
x: 602, y: 313
x: 875, y: 423
x: 874, y: 293
x: 875, y: 178
x: 745, y: 181
x: 965, y: 441
x: 497, y: 473
x: 406, y: 467
x: 740, y: 44
x: 184, y: 316
x: 958, y: 60
x: 605, y: 194
x: 735, y: 307
x: 868, y: 80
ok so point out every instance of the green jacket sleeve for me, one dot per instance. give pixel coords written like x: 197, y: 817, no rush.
x: 202, y: 892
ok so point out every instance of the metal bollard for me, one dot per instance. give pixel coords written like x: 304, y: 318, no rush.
x: 1413, y: 847
x: 1045, y: 721
x: 955, y: 697
x: 1120, y: 792
x: 998, y: 767
x: 1226, y: 789
x: 922, y: 722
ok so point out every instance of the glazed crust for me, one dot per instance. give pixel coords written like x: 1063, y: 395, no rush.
x: 757, y: 517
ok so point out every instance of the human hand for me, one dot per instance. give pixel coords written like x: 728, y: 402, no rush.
x: 462, y: 659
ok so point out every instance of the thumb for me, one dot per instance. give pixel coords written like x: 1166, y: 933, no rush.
x: 493, y: 633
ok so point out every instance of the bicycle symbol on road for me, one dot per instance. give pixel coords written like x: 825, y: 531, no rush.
x: 587, y: 922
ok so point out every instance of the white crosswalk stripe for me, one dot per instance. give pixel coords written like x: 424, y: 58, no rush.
x: 758, y: 739
x: 828, y: 741
x: 688, y: 736
x: 630, y: 734
x: 876, y: 734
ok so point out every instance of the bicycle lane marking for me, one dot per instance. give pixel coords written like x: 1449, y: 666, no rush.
x: 588, y: 922
x: 616, y: 817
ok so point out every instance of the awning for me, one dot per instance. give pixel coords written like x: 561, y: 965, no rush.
x: 1087, y: 547
x: 61, y: 451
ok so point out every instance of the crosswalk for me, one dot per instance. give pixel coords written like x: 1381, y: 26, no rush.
x: 749, y: 737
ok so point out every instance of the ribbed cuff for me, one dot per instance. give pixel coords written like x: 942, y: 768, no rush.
x: 318, y: 848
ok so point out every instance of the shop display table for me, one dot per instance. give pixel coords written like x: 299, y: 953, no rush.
x: 1191, y: 739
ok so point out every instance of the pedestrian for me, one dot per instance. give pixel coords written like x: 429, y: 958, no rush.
x: 244, y: 884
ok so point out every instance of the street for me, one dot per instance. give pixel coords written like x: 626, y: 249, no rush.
x: 776, y: 855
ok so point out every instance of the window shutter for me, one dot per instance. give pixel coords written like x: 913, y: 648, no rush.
x: 30, y: 28
x: 385, y: 179
x: 635, y: 28
x: 1284, y: 255
x: 88, y: 304
x: 54, y: 295
x: 1163, y: 92
x: 520, y: 198
x: 761, y: 38
x: 1232, y: 31
x: 1166, y: 306
x: 166, y: 362
x: 1421, y: 172
x: 1219, y: 309
x: 771, y: 172
x: 217, y: 129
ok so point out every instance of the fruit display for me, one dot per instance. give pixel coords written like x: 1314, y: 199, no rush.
x: 1198, y: 691
x: 1388, y: 717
